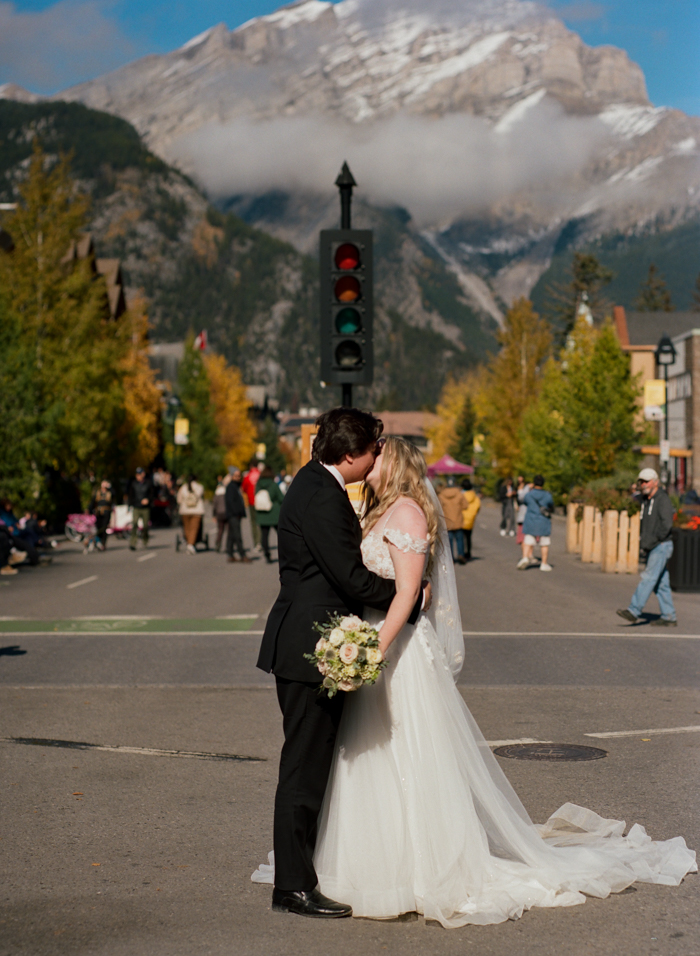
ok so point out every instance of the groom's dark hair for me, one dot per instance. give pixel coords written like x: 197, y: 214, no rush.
x: 344, y: 431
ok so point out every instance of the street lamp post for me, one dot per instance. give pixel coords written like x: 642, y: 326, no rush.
x: 665, y: 356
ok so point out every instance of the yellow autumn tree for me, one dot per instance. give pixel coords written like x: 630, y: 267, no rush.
x: 511, y: 382
x: 142, y: 397
x: 456, y: 394
x: 231, y: 410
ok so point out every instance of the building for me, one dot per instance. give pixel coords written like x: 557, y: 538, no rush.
x: 639, y: 334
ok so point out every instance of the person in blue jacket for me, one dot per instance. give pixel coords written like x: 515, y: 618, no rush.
x: 537, y: 524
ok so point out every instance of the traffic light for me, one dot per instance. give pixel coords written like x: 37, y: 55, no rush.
x: 346, y: 307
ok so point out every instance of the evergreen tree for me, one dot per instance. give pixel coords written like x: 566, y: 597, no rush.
x: 512, y: 382
x: 61, y: 306
x: 582, y: 426
x: 462, y: 448
x: 653, y: 293
x: 695, y: 306
x: 21, y: 438
x: 563, y: 299
x: 204, y: 455
x: 269, y: 436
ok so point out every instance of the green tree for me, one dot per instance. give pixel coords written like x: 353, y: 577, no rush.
x: 21, y: 438
x: 582, y: 425
x: 695, y: 306
x: 60, y: 305
x: 564, y: 299
x: 653, y: 293
x: 269, y: 435
x: 462, y: 448
x: 204, y: 455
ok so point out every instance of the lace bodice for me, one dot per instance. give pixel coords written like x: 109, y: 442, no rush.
x: 395, y: 527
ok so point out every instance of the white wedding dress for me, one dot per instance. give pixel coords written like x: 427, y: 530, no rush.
x: 418, y: 815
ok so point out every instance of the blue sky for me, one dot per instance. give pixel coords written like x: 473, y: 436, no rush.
x: 47, y: 46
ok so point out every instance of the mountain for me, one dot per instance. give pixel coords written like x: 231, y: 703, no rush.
x: 256, y: 295
x: 501, y: 133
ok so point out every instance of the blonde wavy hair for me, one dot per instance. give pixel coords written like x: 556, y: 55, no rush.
x: 403, y: 475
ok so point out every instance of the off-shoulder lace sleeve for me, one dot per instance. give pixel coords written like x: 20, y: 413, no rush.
x: 405, y: 542
x: 406, y: 528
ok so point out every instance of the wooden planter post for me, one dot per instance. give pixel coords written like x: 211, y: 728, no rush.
x: 591, y: 529
x: 620, y: 551
x: 573, y: 529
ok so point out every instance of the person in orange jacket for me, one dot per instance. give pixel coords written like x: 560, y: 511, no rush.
x: 473, y: 504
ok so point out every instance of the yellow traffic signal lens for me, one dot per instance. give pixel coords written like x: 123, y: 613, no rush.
x: 348, y: 321
x: 348, y: 355
x: 347, y: 289
x: 347, y: 256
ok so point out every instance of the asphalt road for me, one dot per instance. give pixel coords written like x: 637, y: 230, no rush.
x: 139, y: 849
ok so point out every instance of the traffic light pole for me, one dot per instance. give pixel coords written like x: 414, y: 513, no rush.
x: 345, y: 183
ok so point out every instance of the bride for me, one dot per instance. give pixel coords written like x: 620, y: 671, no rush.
x: 418, y: 815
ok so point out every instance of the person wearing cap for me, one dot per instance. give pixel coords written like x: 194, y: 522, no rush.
x: 140, y: 499
x: 655, y: 540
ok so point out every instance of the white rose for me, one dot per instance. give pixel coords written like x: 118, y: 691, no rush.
x: 348, y: 653
x: 374, y: 655
x: 350, y: 684
x: 336, y: 637
x: 351, y: 623
x: 321, y: 645
x: 323, y: 667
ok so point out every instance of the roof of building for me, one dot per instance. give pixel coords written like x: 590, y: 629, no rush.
x: 646, y: 328
x: 407, y: 424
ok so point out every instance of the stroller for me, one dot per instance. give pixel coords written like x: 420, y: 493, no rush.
x: 80, y: 527
x: 202, y: 542
x: 120, y: 521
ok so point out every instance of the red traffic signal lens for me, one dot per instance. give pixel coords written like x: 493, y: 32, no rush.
x: 348, y: 355
x: 347, y: 289
x: 347, y: 256
x: 348, y: 322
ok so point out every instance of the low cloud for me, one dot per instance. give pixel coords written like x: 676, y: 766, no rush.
x: 68, y: 42
x: 435, y: 168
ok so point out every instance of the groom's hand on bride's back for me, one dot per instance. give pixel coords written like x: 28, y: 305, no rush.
x: 427, y: 595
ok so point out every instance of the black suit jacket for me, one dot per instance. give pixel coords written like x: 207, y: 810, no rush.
x: 321, y: 572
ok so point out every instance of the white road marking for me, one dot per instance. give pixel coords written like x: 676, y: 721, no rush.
x: 520, y: 740
x: 236, y: 617
x: 147, y: 557
x: 190, y: 633
x: 623, y: 632
x: 141, y: 751
x: 644, y: 733
x: 116, y: 617
x: 77, y: 584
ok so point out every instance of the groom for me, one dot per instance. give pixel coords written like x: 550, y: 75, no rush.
x: 321, y: 573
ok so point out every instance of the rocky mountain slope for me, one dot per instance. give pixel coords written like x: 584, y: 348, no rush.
x: 498, y: 129
x: 256, y: 295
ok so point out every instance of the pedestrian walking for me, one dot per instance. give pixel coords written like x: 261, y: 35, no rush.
x: 453, y: 503
x: 235, y: 512
x: 219, y: 509
x: 248, y: 489
x: 655, y: 539
x: 508, y: 498
x: 268, y: 499
x: 537, y: 525
x: 140, y: 498
x: 101, y: 506
x: 473, y: 504
x: 521, y: 489
x: 190, y: 503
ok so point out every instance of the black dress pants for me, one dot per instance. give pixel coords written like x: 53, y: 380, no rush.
x: 310, y: 723
x: 234, y: 538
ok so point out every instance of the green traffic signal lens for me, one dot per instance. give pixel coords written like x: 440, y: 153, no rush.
x: 347, y: 256
x: 348, y: 355
x: 348, y: 322
x: 347, y: 289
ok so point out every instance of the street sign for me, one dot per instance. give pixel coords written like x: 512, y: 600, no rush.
x: 664, y: 450
x: 182, y: 431
x: 654, y: 400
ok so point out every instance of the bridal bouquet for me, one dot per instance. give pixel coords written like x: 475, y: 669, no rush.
x: 347, y: 654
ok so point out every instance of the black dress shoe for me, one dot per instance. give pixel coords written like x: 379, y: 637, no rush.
x: 308, y: 903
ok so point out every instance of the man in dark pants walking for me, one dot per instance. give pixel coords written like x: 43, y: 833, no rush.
x: 140, y: 500
x: 235, y: 512
x: 321, y: 573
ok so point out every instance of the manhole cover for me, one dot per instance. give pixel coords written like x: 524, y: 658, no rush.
x: 550, y: 752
